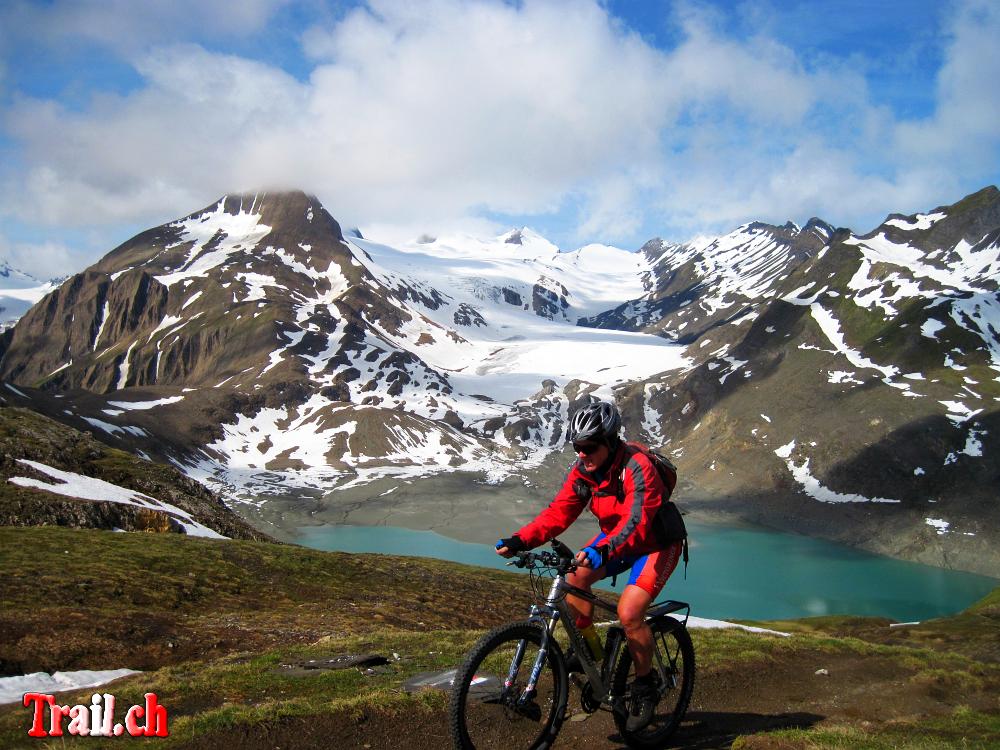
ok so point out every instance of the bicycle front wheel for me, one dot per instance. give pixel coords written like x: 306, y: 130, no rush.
x: 673, y: 661
x: 491, y: 703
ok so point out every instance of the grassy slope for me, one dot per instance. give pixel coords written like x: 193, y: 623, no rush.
x: 213, y: 623
x: 74, y: 599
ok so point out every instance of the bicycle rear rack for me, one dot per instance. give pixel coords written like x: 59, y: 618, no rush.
x: 662, y: 611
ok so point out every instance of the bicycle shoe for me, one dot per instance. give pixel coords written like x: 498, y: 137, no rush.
x: 645, y: 696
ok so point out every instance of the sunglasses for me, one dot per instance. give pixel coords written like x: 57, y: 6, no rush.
x: 586, y: 448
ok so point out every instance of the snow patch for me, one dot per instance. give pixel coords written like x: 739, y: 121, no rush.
x: 931, y: 327
x: 920, y: 222
x: 940, y: 525
x: 236, y: 233
x: 102, y: 324
x: 831, y: 329
x: 124, y: 367
x: 844, y: 377
x: 81, y: 487
x: 812, y: 487
x: 13, y: 688
x: 958, y: 412
x: 144, y: 405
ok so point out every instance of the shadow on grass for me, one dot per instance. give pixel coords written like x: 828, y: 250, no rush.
x: 714, y: 730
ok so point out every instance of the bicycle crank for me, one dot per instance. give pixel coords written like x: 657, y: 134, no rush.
x: 588, y: 701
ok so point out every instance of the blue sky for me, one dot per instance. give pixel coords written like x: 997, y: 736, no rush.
x: 589, y: 121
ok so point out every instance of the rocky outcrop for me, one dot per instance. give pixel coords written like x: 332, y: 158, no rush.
x: 26, y: 435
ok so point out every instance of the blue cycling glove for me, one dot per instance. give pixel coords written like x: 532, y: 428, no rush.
x: 596, y: 556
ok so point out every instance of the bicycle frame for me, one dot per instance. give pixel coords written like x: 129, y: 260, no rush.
x: 530, y: 703
x: 556, y: 609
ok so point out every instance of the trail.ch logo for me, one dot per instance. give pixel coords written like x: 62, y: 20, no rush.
x: 97, y: 719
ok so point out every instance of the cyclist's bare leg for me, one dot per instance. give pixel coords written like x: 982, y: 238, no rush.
x: 632, y: 614
x: 582, y: 578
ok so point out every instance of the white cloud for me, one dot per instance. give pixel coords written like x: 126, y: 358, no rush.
x: 966, y: 124
x: 835, y: 151
x: 612, y: 207
x: 757, y: 77
x: 440, y: 113
x: 43, y: 261
x: 184, y: 137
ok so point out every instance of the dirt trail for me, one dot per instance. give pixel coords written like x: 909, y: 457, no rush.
x: 863, y: 691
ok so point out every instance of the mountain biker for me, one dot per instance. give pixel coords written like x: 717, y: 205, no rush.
x: 625, y: 492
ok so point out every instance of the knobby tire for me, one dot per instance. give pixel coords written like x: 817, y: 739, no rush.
x: 484, y: 716
x: 673, y: 643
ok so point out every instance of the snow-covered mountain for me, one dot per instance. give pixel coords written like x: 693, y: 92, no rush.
x: 18, y: 292
x: 353, y: 358
x: 808, y: 378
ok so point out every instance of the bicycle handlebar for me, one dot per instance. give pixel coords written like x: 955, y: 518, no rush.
x: 561, y: 559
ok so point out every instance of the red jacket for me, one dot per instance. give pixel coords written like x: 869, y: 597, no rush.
x: 625, y: 504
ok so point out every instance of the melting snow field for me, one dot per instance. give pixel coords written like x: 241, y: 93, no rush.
x: 484, y: 325
x: 563, y: 353
x: 87, y: 488
x: 515, y: 350
x: 13, y: 688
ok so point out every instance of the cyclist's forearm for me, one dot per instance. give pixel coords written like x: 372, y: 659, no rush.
x: 549, y: 524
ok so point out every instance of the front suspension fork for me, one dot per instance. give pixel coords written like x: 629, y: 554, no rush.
x: 543, y: 651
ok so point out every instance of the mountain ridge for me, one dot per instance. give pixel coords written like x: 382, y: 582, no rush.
x: 825, y: 370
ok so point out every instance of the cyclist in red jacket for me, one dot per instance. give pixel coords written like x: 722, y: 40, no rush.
x: 623, y: 489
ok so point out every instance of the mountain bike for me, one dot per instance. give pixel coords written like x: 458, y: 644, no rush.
x: 512, y: 690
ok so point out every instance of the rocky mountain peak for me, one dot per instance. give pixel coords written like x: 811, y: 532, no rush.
x: 514, y: 237
x: 287, y: 211
x: 136, y: 317
x: 819, y: 227
x: 755, y: 227
x: 972, y: 219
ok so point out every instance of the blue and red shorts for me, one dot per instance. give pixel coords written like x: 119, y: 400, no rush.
x: 649, y: 572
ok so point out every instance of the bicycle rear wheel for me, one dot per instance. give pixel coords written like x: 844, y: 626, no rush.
x: 673, y: 661
x: 487, y: 712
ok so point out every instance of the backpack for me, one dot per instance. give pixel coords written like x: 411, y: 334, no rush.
x: 664, y: 466
x: 668, y: 525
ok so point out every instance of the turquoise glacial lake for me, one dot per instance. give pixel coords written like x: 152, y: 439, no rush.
x: 734, y: 573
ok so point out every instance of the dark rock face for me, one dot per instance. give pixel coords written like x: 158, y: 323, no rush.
x: 468, y: 316
x: 548, y: 303
x: 104, y: 327
x: 511, y: 297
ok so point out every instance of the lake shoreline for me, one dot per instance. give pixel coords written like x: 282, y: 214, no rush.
x: 455, y: 505
x: 461, y: 506
x: 735, y: 573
